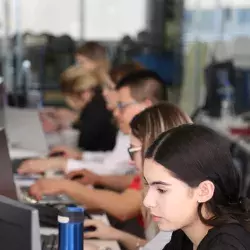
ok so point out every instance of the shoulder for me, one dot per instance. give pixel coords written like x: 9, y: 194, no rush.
x: 228, y: 237
x: 179, y: 241
x: 224, y: 242
x: 97, y: 108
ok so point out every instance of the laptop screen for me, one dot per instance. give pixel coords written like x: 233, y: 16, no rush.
x: 19, y: 226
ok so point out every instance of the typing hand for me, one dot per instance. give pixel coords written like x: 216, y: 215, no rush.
x: 88, y: 246
x: 42, y: 165
x: 68, y: 152
x: 103, y: 231
x: 84, y: 177
x: 48, y: 187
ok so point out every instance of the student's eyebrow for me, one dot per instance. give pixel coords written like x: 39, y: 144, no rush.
x: 157, y: 183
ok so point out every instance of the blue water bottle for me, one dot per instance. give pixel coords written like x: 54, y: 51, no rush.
x: 70, y: 221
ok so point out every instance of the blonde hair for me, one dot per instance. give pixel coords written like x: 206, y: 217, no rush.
x: 148, y: 125
x: 95, y: 52
x: 74, y: 80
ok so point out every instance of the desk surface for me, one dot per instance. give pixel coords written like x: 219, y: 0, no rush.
x: 222, y: 127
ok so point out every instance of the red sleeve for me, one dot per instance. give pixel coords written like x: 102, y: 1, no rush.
x: 136, y: 183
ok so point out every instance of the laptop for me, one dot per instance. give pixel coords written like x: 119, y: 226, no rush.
x: 20, y: 228
x: 19, y: 188
x: 24, y: 130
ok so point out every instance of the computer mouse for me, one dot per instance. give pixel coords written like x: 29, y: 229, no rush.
x: 77, y: 177
x: 57, y: 154
x: 89, y: 229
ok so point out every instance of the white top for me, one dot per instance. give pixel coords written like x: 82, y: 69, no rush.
x: 159, y: 241
x: 115, y: 162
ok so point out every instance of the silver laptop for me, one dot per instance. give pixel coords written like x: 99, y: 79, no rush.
x: 24, y: 130
x: 20, y: 190
x: 19, y: 227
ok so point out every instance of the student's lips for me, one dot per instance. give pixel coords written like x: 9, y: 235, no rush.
x: 156, y: 218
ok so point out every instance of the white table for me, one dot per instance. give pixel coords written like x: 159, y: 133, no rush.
x: 222, y: 128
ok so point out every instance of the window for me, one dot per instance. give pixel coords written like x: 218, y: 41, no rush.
x: 188, y: 20
x: 112, y: 19
x: 206, y: 19
x: 202, y: 20
x: 243, y: 16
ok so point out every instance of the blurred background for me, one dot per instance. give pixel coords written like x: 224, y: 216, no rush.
x: 179, y: 39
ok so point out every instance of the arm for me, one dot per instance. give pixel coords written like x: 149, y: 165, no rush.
x: 70, y: 165
x: 122, y: 206
x: 115, y: 182
x: 106, y: 168
x: 106, y: 232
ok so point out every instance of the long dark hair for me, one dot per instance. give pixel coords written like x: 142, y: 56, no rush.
x: 193, y: 154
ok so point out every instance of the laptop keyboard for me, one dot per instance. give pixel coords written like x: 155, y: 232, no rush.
x: 50, y: 199
x: 49, y: 242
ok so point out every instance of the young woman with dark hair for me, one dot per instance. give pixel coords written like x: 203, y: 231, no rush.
x: 145, y: 128
x: 194, y: 190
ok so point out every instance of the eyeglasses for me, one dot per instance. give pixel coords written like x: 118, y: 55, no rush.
x: 123, y: 105
x: 132, y: 150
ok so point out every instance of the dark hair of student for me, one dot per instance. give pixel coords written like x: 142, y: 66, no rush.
x: 144, y: 85
x: 193, y: 154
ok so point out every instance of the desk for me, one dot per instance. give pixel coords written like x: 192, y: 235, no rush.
x: 100, y: 243
x: 16, y: 153
x: 222, y: 128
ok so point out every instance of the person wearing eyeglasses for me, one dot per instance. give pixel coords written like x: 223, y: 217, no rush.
x: 136, y: 91
x: 145, y: 127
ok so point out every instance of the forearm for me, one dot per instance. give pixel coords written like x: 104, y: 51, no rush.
x: 129, y: 241
x: 115, y: 182
x: 111, y: 202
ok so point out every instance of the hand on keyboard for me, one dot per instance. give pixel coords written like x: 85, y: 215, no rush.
x: 49, y: 242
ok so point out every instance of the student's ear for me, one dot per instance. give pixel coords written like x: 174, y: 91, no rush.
x: 205, y: 191
x: 86, y: 95
x: 147, y: 103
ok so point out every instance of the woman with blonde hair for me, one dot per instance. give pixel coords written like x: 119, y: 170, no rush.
x: 145, y: 128
x: 91, y: 56
x: 82, y: 92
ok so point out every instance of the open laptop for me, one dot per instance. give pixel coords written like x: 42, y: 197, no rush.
x: 20, y: 190
x: 20, y: 229
x: 24, y: 131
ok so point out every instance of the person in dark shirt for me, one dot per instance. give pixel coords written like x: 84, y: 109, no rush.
x: 84, y: 95
x: 195, y: 190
